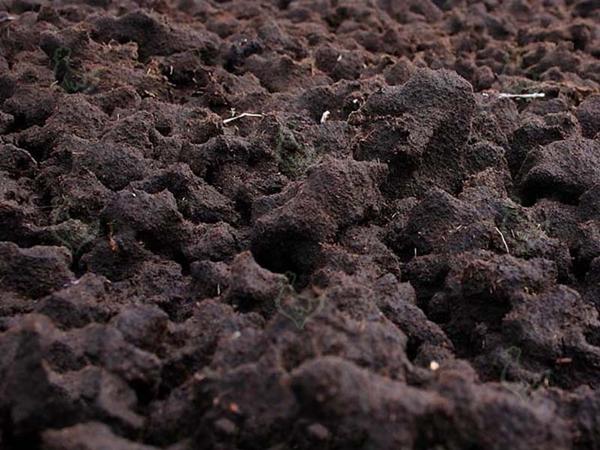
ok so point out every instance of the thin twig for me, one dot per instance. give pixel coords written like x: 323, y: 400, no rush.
x: 231, y: 119
x: 503, y: 240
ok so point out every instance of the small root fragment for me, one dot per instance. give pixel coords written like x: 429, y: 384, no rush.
x: 503, y: 240
x: 515, y: 96
x: 232, y: 119
x: 524, y: 96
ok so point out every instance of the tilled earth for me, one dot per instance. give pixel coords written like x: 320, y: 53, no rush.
x: 386, y: 253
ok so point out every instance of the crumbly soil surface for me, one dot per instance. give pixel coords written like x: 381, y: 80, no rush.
x: 386, y: 253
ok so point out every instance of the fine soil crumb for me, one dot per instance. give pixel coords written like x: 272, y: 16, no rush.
x: 299, y: 224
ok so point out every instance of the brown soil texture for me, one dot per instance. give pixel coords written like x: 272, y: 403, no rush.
x: 386, y: 253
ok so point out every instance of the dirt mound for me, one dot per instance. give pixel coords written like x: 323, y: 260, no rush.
x: 299, y: 224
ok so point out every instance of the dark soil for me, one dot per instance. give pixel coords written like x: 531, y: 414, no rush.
x: 388, y: 255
